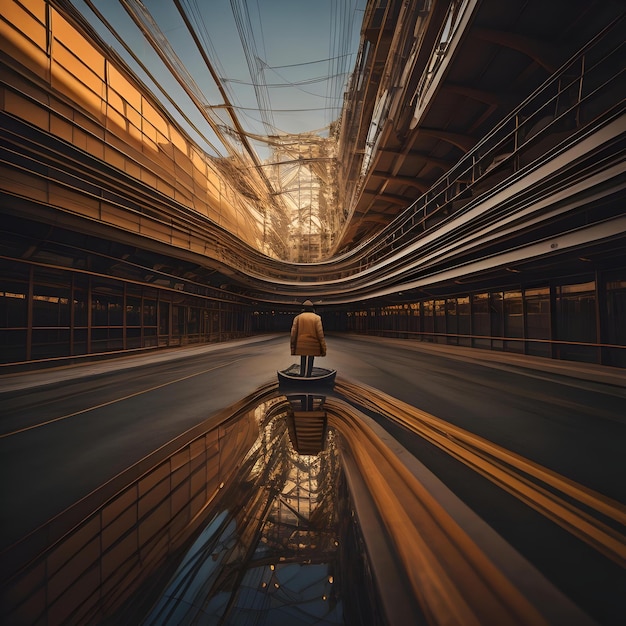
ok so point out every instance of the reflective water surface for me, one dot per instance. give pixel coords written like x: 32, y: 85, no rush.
x: 271, y: 556
x: 235, y: 527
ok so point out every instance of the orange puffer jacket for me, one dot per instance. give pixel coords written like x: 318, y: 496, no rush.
x: 307, y: 335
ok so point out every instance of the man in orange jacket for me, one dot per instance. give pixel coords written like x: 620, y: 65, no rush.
x: 307, y: 338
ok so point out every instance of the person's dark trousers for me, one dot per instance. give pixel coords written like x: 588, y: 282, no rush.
x: 306, y: 365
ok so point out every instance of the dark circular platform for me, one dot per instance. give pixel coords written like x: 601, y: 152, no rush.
x: 320, y: 377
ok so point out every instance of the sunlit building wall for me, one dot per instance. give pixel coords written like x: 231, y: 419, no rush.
x: 80, y: 94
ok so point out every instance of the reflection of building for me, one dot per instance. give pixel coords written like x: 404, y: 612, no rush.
x: 272, y: 551
x: 229, y: 521
x: 235, y: 523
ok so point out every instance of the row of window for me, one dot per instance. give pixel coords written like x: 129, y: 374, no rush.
x: 582, y: 321
x: 139, y: 139
x: 48, y: 313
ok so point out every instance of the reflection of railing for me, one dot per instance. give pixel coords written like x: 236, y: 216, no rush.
x: 89, y: 559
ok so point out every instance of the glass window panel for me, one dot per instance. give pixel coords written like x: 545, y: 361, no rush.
x: 134, y: 122
x: 13, y: 344
x: 451, y: 315
x: 123, y: 87
x: 48, y: 343
x: 90, y: 67
x: 21, y: 28
x: 464, y: 314
x: 116, y: 339
x: 133, y: 311
x: 80, y: 341
x: 107, y: 303
x: 150, y: 337
x: 481, y: 314
x: 164, y: 318
x: 51, y: 298
x: 615, y: 322
x: 179, y: 142
x: 497, y: 313
x: 481, y: 319
x: 99, y: 339
x: 429, y: 309
x: 576, y: 321
x: 616, y: 312
x: 13, y: 304
x: 155, y: 120
x: 26, y: 28
x: 117, y: 106
x: 81, y: 307
x: 85, y: 76
x: 178, y: 320
x: 576, y: 318
x: 149, y: 135
x: 513, y: 314
x: 538, y: 324
x: 513, y: 320
x: 116, y: 311
x: 50, y: 307
x: 133, y: 338
x: 99, y: 310
x: 193, y: 326
x: 538, y: 313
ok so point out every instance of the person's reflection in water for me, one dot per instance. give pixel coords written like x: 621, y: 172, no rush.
x: 306, y: 401
x: 307, y: 338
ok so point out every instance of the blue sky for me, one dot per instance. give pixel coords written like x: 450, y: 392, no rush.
x: 284, y: 63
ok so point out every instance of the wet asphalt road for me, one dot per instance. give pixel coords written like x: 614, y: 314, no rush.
x: 64, y: 432
x: 96, y: 425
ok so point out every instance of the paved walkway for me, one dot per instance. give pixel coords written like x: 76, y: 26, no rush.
x: 21, y: 381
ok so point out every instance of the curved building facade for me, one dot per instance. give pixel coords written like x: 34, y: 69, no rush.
x: 478, y: 193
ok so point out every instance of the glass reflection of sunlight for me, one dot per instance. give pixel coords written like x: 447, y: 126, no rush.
x: 271, y: 555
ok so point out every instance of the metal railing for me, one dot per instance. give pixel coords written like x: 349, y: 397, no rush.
x: 584, y: 94
x: 588, y: 89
